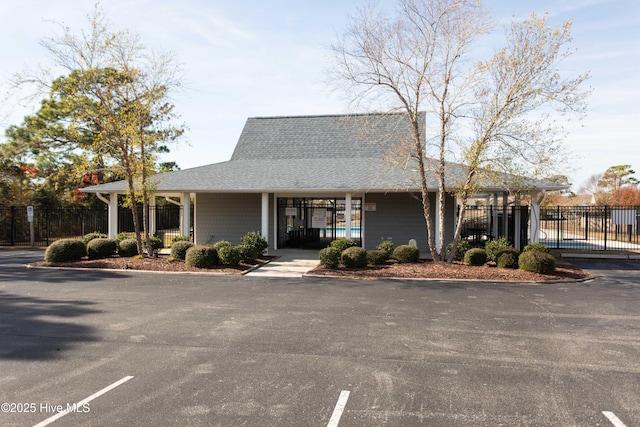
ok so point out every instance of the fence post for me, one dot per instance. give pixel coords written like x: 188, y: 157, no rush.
x: 606, y: 223
x: 558, y: 225
x: 12, y: 230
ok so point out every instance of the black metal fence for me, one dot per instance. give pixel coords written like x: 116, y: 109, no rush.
x: 50, y: 224
x: 591, y: 227
x: 484, y: 223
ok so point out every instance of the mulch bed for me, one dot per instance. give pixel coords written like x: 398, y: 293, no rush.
x: 456, y: 270
x: 161, y: 263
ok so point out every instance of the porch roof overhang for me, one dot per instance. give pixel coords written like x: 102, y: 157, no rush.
x: 331, y: 175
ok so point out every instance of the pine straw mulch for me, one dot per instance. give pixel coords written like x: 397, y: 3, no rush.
x: 456, y: 271
x: 421, y: 270
x: 161, y: 263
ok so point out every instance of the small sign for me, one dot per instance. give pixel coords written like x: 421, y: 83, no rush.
x: 291, y: 211
x: 319, y: 218
x: 370, y: 207
x: 30, y: 213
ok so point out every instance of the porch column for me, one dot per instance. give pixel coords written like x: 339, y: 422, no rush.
x: 265, y: 216
x: 152, y: 215
x: 113, y: 213
x: 437, y: 222
x: 494, y: 205
x: 186, y: 214
x: 516, y: 223
x: 347, y: 215
x: 505, y: 215
x: 534, y: 218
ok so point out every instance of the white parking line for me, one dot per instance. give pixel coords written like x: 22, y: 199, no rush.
x: 83, y: 402
x: 337, y: 412
x: 614, y: 420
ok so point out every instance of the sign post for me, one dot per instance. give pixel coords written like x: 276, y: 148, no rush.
x: 30, y: 219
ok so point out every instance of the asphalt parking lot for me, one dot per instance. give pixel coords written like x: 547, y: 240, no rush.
x: 126, y: 348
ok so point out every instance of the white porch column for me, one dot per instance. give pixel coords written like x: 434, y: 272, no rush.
x: 505, y: 215
x: 516, y: 223
x: 264, y: 230
x: 534, y: 218
x: 186, y: 214
x: 152, y: 215
x: 437, y: 222
x: 347, y: 215
x: 113, y: 215
x: 494, y: 206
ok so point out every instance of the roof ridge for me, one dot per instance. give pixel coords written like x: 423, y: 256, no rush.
x: 313, y: 116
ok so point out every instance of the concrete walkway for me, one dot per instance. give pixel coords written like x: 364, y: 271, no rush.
x: 290, y: 263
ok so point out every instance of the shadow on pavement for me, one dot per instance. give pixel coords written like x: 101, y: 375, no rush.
x: 37, y: 329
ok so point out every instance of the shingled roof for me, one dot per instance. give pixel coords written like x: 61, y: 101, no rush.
x: 309, y: 153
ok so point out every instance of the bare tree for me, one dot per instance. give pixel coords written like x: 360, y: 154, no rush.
x: 493, y: 114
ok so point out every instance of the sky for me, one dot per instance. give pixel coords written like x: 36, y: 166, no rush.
x: 256, y: 58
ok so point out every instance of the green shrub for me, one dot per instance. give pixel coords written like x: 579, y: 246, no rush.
x: 536, y: 247
x: 507, y: 258
x: 406, y: 254
x: 385, y: 245
x: 65, y: 250
x: 330, y: 257
x: 463, y: 247
x: 342, y: 244
x: 354, y: 257
x: 493, y: 246
x: 221, y: 243
x: 230, y: 255
x: 180, y: 239
x: 179, y: 249
x: 95, y: 235
x: 377, y: 257
x: 537, y: 262
x: 475, y: 256
x: 156, y: 243
x: 201, y: 256
x: 101, y: 248
x: 254, y: 244
x: 127, y: 248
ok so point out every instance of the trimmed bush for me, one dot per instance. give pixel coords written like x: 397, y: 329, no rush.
x: 253, y: 245
x: 493, y: 246
x: 507, y: 258
x: 221, y: 243
x: 180, y: 239
x: 475, y: 256
x: 179, y: 249
x: 201, y: 256
x: 463, y: 247
x: 65, y: 250
x: 385, y: 245
x: 342, y: 244
x: 128, y: 248
x: 537, y: 262
x: 330, y: 257
x: 230, y: 255
x: 377, y: 257
x: 354, y: 257
x: 101, y: 248
x: 95, y: 235
x: 536, y: 247
x: 406, y: 254
x: 156, y: 243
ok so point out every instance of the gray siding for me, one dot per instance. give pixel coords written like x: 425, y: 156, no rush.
x: 226, y: 216
x: 399, y: 216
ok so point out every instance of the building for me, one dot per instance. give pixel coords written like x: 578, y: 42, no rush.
x: 304, y: 181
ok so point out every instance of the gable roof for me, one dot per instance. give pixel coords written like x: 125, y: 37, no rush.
x: 328, y: 153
